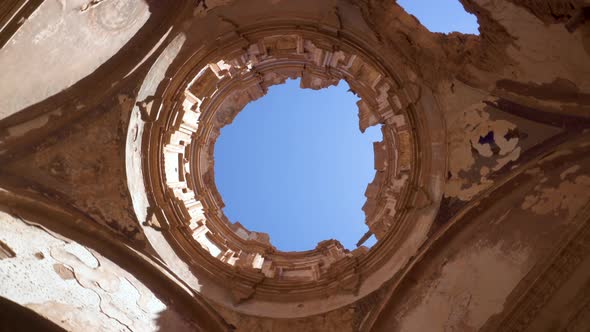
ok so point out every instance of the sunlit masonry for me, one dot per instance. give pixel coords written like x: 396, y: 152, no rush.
x: 294, y: 165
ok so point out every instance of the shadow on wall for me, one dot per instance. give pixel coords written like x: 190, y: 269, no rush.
x: 16, y: 318
x: 170, y: 321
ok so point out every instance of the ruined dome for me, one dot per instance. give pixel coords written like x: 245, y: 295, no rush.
x: 110, y: 218
x: 214, y: 87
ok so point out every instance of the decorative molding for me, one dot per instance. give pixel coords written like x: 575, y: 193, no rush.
x: 211, y: 95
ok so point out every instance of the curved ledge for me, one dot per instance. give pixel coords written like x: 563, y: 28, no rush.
x: 203, y: 95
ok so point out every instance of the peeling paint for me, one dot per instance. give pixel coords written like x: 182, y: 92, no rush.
x: 72, y: 286
x: 568, y: 196
x: 478, y: 143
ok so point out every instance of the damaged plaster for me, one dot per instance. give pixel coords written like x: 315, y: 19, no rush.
x: 96, y: 296
x: 565, y: 197
x: 495, y: 123
x: 465, y: 292
x: 478, y: 145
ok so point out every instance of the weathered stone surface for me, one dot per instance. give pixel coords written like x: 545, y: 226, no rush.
x: 74, y: 287
x: 109, y: 113
x: 81, y: 165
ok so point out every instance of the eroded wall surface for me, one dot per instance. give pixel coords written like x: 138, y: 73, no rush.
x: 74, y: 286
x: 473, y: 275
x: 495, y: 203
x: 90, y: 33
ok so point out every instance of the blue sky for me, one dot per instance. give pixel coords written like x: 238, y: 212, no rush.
x: 441, y: 15
x: 294, y: 163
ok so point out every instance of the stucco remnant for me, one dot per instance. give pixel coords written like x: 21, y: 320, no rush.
x: 567, y: 197
x: 81, y: 289
x: 478, y: 145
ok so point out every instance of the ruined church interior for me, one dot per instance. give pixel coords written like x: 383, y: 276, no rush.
x: 110, y: 216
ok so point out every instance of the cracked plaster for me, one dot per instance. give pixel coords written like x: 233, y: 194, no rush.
x: 468, y: 145
x: 100, y: 297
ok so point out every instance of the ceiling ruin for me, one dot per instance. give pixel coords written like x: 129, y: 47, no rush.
x: 109, y: 214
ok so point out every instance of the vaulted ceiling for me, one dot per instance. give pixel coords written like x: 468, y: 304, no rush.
x: 109, y: 214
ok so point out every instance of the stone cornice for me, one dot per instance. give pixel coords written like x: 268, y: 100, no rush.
x: 193, y: 137
x: 191, y: 124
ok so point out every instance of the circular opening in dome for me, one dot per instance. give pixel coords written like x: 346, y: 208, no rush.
x: 295, y: 165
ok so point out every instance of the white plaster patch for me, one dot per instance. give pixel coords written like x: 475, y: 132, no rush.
x: 82, y: 253
x: 25, y: 279
x: 50, y: 30
x: 102, y: 297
